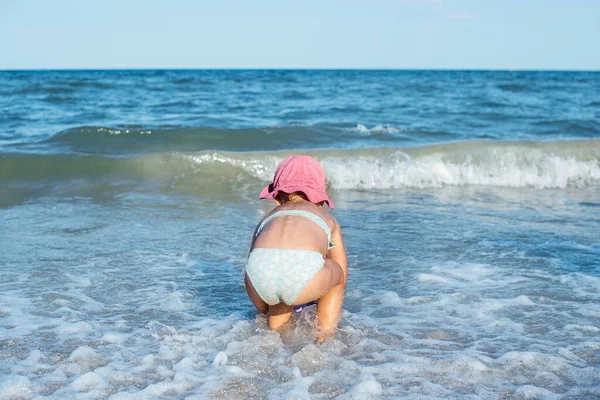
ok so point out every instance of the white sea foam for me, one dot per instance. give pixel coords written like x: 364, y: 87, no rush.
x: 453, y: 340
x: 16, y: 387
x: 500, y: 167
x: 377, y: 129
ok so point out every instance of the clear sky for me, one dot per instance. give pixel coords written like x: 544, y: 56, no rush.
x: 424, y: 34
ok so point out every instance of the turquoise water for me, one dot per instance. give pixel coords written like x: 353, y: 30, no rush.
x: 469, y: 203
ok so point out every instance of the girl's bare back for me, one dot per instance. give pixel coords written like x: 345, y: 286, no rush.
x: 293, y: 232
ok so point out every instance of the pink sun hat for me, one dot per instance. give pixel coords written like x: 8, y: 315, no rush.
x: 299, y: 174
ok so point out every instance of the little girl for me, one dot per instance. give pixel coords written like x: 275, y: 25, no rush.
x: 297, y: 254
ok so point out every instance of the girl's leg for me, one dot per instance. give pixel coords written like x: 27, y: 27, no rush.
x: 329, y: 310
x: 327, y: 286
x: 279, y: 314
x: 259, y: 303
x: 326, y: 278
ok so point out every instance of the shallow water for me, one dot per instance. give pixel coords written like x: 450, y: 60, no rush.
x: 474, y: 267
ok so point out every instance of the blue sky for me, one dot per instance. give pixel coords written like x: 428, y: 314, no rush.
x: 424, y: 34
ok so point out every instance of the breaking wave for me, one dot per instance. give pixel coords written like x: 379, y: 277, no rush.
x: 535, y: 164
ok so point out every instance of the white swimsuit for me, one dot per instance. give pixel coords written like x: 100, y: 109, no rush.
x: 280, y: 275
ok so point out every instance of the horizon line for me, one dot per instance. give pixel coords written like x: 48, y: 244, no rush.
x: 297, y: 69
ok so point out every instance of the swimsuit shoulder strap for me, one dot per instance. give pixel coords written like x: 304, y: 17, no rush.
x: 300, y: 213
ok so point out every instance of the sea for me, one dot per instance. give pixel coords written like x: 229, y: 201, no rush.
x: 469, y: 203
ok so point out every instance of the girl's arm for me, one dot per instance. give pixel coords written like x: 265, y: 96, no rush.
x: 338, y: 253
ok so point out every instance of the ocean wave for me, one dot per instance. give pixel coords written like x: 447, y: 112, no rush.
x: 137, y: 139
x: 377, y: 129
x: 538, y: 165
